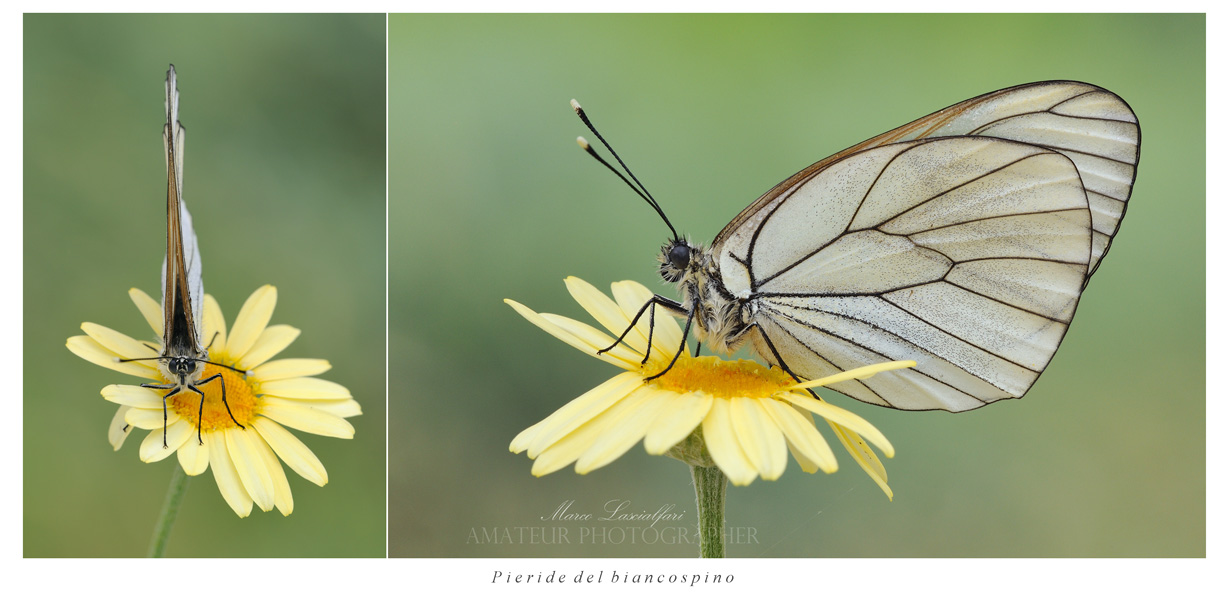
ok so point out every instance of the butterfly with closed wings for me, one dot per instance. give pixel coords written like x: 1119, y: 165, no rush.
x: 183, y: 356
x: 962, y: 240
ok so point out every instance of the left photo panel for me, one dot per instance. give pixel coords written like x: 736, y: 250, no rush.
x: 204, y: 286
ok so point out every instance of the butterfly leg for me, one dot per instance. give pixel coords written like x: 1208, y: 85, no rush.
x: 779, y: 360
x: 669, y: 304
x: 224, y: 403
x: 651, y: 331
x: 199, y: 414
x: 174, y: 389
x: 680, y: 349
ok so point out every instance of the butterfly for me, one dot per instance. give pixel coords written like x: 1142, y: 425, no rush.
x: 183, y: 355
x: 962, y: 240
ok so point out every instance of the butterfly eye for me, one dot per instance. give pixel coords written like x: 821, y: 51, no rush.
x: 679, y: 256
x: 674, y: 259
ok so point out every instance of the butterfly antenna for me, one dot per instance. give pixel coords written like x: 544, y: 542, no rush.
x: 207, y: 362
x: 641, y: 189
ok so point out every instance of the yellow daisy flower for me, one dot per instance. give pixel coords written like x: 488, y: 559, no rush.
x: 241, y: 445
x: 743, y: 417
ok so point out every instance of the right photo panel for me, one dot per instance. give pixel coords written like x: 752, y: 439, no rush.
x: 757, y: 286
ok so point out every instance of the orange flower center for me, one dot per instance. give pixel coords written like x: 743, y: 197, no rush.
x: 721, y: 378
x: 213, y: 415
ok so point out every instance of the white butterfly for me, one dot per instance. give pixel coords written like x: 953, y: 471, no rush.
x: 184, y: 354
x: 962, y: 240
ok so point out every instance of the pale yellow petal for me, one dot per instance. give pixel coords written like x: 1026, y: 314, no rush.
x: 194, y: 456
x: 153, y: 449
x: 252, y: 319
x: 179, y: 434
x: 605, y: 311
x: 593, y: 339
x: 723, y: 446
x: 283, y: 498
x: 857, y: 373
x: 632, y: 296
x: 250, y: 466
x: 90, y: 350
x: 117, y: 343
x: 617, y: 357
x: 155, y: 446
x: 844, y: 417
x: 583, y: 409
x: 301, y: 416
x: 566, y: 450
x: 759, y: 436
x: 864, y: 456
x: 287, y: 368
x: 629, y: 420
x: 803, y: 438
x: 133, y: 395
x: 524, y: 438
x: 214, y: 325
x: 150, y: 309
x: 305, y: 388
x: 341, y: 408
x: 803, y: 461
x: 151, y: 418
x: 270, y: 343
x: 677, y: 420
x: 860, y: 451
x: 292, y: 451
x: 227, y: 478
x: 119, y: 429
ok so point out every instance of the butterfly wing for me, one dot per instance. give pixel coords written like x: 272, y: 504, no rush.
x: 182, y: 286
x: 966, y: 254
x: 1092, y: 126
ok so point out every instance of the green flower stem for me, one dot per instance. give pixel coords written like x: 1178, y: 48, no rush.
x: 170, y: 510
x: 709, y: 487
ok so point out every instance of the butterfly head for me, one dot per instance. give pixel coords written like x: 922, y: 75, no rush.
x: 677, y: 257
x: 182, y: 368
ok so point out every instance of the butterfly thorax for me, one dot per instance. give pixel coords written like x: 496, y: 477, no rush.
x: 720, y: 318
x: 182, y: 355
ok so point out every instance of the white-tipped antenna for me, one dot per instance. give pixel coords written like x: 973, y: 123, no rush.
x: 641, y: 190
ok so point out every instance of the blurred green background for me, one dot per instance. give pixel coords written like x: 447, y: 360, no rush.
x: 285, y: 179
x: 491, y: 199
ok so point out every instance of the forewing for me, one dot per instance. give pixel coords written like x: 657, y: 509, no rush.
x: 182, y: 286
x: 1091, y: 126
x: 965, y: 254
